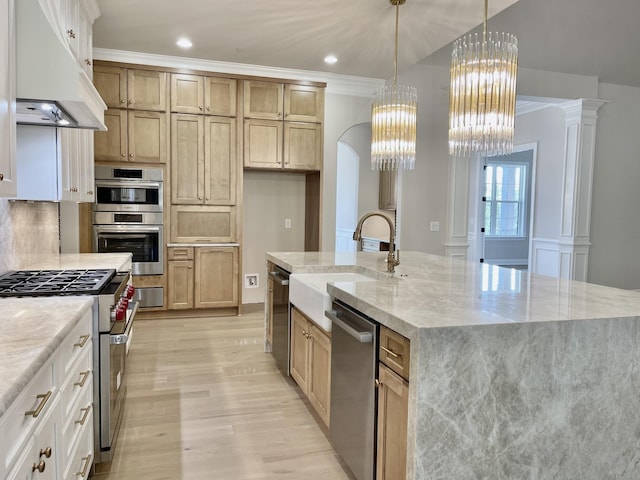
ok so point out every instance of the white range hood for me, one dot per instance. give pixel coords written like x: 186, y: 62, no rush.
x: 52, y: 89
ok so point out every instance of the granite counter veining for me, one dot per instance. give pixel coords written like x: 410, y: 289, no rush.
x: 513, y: 375
x: 32, y: 328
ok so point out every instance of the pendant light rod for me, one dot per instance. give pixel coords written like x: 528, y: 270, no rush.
x: 484, y: 29
x: 397, y: 4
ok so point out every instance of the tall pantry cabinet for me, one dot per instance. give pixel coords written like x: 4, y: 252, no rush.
x: 8, y: 186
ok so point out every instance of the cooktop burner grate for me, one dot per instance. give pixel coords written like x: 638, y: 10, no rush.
x: 28, y: 283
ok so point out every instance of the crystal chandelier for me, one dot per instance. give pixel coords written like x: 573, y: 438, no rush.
x: 482, y: 98
x: 393, y: 120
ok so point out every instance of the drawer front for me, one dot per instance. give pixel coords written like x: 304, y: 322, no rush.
x: 78, y: 382
x: 370, y: 245
x: 394, y: 352
x: 20, y: 420
x: 73, y: 346
x: 81, y: 457
x: 80, y: 416
x: 180, y: 253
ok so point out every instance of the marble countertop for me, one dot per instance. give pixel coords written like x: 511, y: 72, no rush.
x: 118, y: 261
x: 32, y: 328
x: 431, y: 291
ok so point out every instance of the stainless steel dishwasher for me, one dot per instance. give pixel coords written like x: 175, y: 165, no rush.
x: 354, y: 367
x: 279, y: 293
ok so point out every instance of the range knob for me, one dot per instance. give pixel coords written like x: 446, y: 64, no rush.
x: 121, y: 313
x: 130, y: 291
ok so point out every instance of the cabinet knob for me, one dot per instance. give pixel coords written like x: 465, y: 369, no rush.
x: 1, y: 177
x: 71, y: 33
x: 130, y: 102
x: 39, y: 467
x: 378, y: 383
x: 190, y: 267
x: 131, y: 155
x: 90, y: 192
x: 208, y: 109
x: 199, y: 197
x: 46, y: 452
x: 200, y: 107
x: 123, y: 154
x: 87, y: 61
x: 121, y: 100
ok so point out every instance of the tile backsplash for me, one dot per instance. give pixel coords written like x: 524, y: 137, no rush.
x: 27, y: 230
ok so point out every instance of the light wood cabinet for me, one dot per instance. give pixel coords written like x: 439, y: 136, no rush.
x: 132, y: 136
x: 132, y: 88
x: 393, y: 405
x: 203, y: 277
x: 203, y: 224
x: 8, y: 180
x: 203, y: 160
x: 271, y: 143
x: 198, y: 94
x: 310, y: 362
x: 393, y: 411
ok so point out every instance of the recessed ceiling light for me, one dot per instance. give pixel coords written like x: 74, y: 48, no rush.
x: 184, y: 42
x: 331, y: 59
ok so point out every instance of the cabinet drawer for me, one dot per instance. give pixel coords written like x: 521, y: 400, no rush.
x: 180, y: 253
x: 80, y: 416
x: 72, y: 347
x: 369, y: 245
x: 79, y: 381
x: 81, y: 456
x: 394, y: 351
x: 203, y: 224
x: 36, y: 399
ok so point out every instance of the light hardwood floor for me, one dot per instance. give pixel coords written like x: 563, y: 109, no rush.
x: 205, y: 402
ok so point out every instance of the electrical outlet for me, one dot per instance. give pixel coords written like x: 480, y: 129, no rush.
x: 287, y: 223
x: 434, y: 226
x: 251, y: 280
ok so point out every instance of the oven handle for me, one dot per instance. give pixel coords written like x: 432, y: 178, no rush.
x: 126, y: 228
x: 122, y: 338
x: 128, y: 184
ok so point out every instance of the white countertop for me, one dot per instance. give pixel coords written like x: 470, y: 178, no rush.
x: 32, y: 328
x: 118, y: 261
x: 430, y: 291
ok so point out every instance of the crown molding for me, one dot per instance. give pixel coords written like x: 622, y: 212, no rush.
x: 336, y: 84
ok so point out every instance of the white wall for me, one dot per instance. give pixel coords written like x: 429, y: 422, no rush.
x: 269, y: 198
x: 341, y: 112
x: 614, y: 258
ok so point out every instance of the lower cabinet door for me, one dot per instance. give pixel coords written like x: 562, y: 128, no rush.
x: 393, y: 406
x: 299, y: 361
x: 320, y: 372
x: 216, y: 277
x: 180, y: 278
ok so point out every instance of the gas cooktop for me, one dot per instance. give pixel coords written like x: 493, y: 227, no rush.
x: 31, y: 283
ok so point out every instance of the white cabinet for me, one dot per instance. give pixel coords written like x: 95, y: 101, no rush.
x: 47, y: 432
x: 8, y: 187
x: 55, y: 164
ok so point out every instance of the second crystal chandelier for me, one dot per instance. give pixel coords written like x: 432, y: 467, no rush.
x: 393, y: 120
x: 482, y: 98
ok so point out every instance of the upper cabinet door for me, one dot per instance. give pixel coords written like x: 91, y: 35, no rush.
x: 111, y: 83
x: 147, y: 90
x: 187, y: 93
x: 8, y: 184
x: 263, y: 100
x: 303, y: 103
x: 72, y: 23
x: 220, y: 96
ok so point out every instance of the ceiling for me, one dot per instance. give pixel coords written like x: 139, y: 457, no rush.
x: 290, y: 33
x: 585, y: 37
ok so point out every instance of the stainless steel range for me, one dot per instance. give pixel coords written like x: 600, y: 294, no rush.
x: 113, y: 317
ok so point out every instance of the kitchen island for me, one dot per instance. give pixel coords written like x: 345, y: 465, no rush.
x: 514, y: 375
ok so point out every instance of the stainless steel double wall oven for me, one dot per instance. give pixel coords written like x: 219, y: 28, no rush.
x: 128, y: 217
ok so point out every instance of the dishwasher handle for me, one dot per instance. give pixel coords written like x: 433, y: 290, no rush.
x: 279, y: 278
x: 362, y: 337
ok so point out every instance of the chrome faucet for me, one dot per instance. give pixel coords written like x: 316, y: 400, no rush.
x: 392, y: 260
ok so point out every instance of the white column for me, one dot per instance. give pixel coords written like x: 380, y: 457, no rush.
x: 457, y: 238
x: 580, y: 138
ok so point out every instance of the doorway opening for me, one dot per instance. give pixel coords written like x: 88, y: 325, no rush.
x: 506, y: 208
